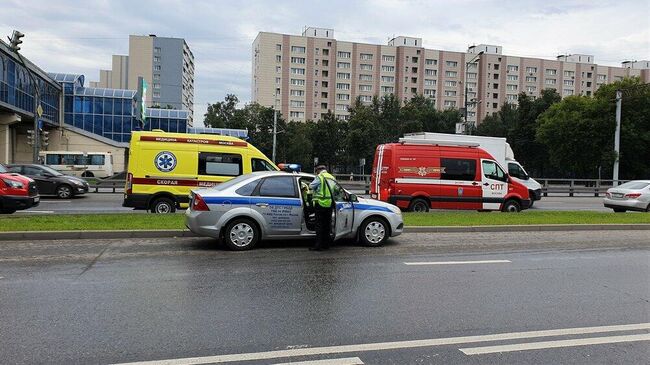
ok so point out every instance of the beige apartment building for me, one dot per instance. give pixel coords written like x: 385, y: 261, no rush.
x: 305, y: 76
x: 166, y: 64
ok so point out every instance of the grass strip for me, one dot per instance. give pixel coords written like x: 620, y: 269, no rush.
x: 128, y: 221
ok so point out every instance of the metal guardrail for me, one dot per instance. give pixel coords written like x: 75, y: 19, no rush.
x: 112, y: 185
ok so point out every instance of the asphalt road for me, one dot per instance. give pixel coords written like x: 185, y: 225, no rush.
x: 422, y: 299
x: 112, y: 203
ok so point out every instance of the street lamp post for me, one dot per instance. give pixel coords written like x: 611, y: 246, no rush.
x: 474, y: 59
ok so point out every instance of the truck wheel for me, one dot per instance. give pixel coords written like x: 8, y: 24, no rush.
x: 87, y: 174
x: 511, y: 206
x: 419, y: 205
x: 64, y: 191
x: 241, y: 234
x: 163, y: 206
x: 374, y: 231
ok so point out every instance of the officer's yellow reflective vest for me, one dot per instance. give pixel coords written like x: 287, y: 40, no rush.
x: 322, y: 195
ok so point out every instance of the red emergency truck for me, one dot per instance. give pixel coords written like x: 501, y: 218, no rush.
x: 421, y: 174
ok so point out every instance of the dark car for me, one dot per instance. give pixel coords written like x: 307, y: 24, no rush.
x: 50, y: 181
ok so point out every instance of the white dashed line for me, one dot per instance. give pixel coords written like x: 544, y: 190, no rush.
x: 342, y: 361
x: 457, y: 262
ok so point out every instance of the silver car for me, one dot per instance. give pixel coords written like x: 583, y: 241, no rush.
x: 633, y: 195
x: 274, y: 205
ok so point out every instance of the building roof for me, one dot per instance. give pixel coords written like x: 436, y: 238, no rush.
x: 106, y: 93
x: 62, y: 77
x: 240, y: 133
x: 166, y: 113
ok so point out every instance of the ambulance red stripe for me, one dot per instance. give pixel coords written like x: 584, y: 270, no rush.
x: 202, y: 141
x: 174, y: 182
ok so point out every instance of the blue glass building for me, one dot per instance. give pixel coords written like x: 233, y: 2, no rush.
x: 111, y: 113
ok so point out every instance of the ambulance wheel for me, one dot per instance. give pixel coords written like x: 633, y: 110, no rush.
x: 419, y: 205
x: 511, y: 206
x: 374, y: 231
x: 241, y: 234
x: 163, y: 206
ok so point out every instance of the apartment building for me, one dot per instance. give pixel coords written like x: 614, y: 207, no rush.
x: 305, y: 76
x: 166, y: 64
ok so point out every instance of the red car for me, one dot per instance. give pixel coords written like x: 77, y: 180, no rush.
x: 17, y: 192
x: 418, y: 175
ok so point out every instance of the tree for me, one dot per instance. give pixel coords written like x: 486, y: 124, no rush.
x: 221, y: 114
x: 327, y: 138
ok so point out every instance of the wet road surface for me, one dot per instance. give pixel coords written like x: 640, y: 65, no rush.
x: 115, y: 301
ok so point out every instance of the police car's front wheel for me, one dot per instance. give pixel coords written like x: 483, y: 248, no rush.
x: 163, y: 206
x: 241, y: 234
x: 374, y: 231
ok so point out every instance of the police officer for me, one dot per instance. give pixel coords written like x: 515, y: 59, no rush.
x: 322, y: 200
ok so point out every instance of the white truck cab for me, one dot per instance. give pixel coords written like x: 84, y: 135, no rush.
x: 499, y: 148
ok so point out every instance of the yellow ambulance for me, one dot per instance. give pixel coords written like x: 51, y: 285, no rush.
x: 164, y: 167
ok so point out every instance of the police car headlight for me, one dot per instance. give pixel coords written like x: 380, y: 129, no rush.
x: 396, y: 210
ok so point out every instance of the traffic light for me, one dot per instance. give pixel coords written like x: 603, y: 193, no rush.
x: 45, y: 138
x: 30, y: 137
x: 14, y: 40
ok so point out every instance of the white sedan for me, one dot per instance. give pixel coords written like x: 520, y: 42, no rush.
x: 633, y: 195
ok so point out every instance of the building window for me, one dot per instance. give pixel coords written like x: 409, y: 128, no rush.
x: 325, y: 63
x: 156, y: 58
x: 297, y: 104
x: 325, y: 73
x: 278, y: 69
x: 298, y: 60
x: 451, y: 74
x: 298, y: 82
x: 156, y: 94
x: 513, y: 68
x: 342, y: 96
x: 602, y: 77
x: 568, y: 82
x: 429, y: 93
x: 365, y: 98
x: 567, y: 92
x: 157, y: 50
x: 278, y: 47
x: 569, y: 73
x: 157, y: 68
x: 387, y: 58
x: 365, y: 77
x: 551, y: 71
x: 550, y: 81
x: 390, y: 79
x: 278, y: 58
x: 297, y: 92
x: 326, y: 52
x: 156, y: 77
x: 297, y: 49
x: 343, y: 75
x: 450, y: 92
x: 296, y: 114
x: 451, y: 64
x: 365, y: 56
x: 343, y: 64
x: 512, y: 97
x: 430, y: 62
x: 342, y: 107
x: 531, y: 89
x: 513, y: 77
x: 450, y: 83
x: 388, y: 68
x: 449, y: 103
x: 297, y: 71
x: 511, y: 87
x: 531, y: 70
x: 495, y: 76
x: 387, y: 89
x: 429, y: 82
x: 366, y: 67
x: 365, y: 87
x: 430, y: 72
x: 471, y: 85
x: 156, y: 85
x: 471, y: 75
x: 531, y: 79
x: 342, y: 54
x: 342, y: 86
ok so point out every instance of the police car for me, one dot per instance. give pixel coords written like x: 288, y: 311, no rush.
x: 274, y: 205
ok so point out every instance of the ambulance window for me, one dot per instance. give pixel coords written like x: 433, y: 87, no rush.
x: 278, y: 186
x: 220, y: 164
x: 492, y: 171
x: 261, y: 165
x: 457, y: 169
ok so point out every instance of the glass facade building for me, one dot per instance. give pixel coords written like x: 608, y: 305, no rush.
x: 111, y: 113
x: 17, y: 89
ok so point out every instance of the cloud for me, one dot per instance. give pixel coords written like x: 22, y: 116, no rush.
x: 80, y: 36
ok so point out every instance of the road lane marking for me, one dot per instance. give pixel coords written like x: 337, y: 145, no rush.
x: 36, y: 211
x: 458, y: 262
x: 381, y: 346
x: 554, y: 344
x: 56, y: 201
x: 342, y: 361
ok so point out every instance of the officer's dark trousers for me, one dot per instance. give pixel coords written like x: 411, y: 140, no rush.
x: 323, y: 227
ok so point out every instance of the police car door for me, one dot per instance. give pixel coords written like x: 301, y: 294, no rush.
x: 494, y: 183
x: 277, y: 200
x: 343, y: 210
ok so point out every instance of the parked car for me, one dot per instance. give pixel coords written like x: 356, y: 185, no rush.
x: 273, y: 204
x: 17, y: 192
x: 633, y: 195
x: 51, y: 182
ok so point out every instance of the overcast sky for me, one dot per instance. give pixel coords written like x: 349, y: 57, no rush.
x: 80, y: 36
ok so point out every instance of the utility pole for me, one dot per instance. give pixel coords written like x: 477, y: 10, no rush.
x: 617, y: 136
x: 14, y: 45
x: 474, y: 59
x: 275, y: 125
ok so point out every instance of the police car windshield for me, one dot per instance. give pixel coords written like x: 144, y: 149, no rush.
x: 232, y: 182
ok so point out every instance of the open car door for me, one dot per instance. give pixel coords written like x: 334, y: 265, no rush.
x: 343, y: 212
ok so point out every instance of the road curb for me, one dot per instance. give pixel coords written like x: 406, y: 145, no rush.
x: 73, y: 235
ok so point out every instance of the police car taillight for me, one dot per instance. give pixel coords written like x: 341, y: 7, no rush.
x: 199, y: 204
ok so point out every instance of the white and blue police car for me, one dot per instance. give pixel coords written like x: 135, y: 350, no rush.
x: 277, y: 205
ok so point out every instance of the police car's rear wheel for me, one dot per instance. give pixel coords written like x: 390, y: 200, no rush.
x: 419, y: 205
x: 241, y: 234
x: 373, y: 232
x: 163, y: 206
